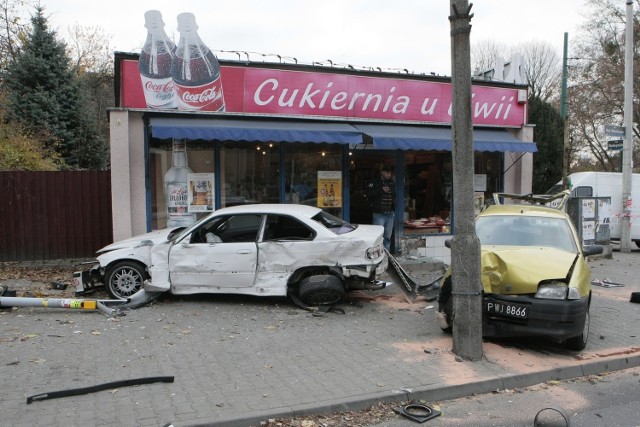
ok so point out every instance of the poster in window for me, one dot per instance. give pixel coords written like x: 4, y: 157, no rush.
x: 329, y: 189
x: 201, y: 195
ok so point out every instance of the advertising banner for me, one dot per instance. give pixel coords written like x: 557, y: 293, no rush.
x: 330, y: 189
x: 201, y: 194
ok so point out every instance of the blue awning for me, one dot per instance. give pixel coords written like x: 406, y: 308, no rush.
x: 407, y: 137
x: 254, y: 130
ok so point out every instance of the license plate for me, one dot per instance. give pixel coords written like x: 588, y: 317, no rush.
x: 507, y: 309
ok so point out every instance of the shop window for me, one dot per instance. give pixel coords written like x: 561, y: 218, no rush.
x: 428, y: 192
x: 199, y: 159
x: 249, y: 173
x: 313, y: 176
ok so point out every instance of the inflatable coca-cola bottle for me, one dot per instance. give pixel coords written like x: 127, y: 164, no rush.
x: 196, y: 71
x: 155, y: 63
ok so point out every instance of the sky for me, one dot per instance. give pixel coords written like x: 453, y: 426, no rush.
x: 398, y: 35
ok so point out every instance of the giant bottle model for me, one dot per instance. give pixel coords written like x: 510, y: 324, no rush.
x: 195, y: 70
x: 155, y: 63
x: 176, y: 189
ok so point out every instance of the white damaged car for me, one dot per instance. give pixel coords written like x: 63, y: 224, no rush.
x: 266, y: 250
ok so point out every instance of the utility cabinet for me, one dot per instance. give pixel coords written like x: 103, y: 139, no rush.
x: 592, y: 219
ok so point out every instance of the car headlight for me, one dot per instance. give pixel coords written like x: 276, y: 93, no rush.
x: 552, y: 290
x: 374, y: 252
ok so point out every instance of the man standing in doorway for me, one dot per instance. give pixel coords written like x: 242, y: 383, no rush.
x: 381, y: 193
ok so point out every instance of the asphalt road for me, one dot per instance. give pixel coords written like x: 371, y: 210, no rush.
x: 594, y: 401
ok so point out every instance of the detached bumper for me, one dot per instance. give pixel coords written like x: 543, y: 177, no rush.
x: 555, y: 319
x: 89, y: 280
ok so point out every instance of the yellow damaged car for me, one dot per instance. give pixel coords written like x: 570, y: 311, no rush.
x: 535, y: 278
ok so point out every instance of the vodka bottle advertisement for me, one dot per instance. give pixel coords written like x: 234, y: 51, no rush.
x: 177, y: 190
x: 195, y: 70
x: 156, y: 60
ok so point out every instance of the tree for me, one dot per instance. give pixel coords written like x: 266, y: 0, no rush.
x: 542, y: 65
x: 12, y: 30
x: 596, y: 93
x: 548, y: 135
x: 46, y: 98
x: 92, y: 55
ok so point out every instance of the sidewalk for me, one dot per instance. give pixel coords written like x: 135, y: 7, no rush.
x: 238, y: 361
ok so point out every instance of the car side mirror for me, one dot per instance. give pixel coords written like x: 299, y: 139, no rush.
x: 447, y: 243
x: 592, y: 250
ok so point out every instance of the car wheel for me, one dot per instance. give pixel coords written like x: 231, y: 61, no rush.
x: 124, y: 279
x: 321, y: 290
x: 580, y: 342
x: 445, y: 304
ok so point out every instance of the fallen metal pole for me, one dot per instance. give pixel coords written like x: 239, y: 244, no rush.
x: 70, y: 303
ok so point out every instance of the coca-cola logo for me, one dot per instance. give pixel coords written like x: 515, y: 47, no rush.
x: 204, y: 96
x: 159, y: 87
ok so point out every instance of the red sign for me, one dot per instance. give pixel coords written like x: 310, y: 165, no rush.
x: 310, y: 93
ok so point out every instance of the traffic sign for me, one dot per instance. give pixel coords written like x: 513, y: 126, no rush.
x: 613, y: 130
x: 615, y: 145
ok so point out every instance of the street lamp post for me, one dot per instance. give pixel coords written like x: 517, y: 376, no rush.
x: 627, y: 145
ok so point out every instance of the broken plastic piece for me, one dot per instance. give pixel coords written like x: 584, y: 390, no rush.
x: 99, y: 387
x: 417, y: 412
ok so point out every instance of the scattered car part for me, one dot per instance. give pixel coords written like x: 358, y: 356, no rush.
x: 58, y: 286
x: 635, y: 297
x: 606, y: 283
x: 417, y: 412
x: 99, y: 387
x: 409, y: 287
x: 557, y: 409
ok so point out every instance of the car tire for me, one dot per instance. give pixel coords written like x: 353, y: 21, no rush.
x: 580, y: 342
x: 124, y: 279
x: 321, y: 290
x: 445, y: 304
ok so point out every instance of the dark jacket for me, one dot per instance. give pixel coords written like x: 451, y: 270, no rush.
x: 379, y: 201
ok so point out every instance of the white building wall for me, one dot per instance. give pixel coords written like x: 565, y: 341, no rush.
x: 518, y: 167
x: 128, y: 190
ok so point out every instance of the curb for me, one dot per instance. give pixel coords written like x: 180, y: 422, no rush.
x: 433, y: 393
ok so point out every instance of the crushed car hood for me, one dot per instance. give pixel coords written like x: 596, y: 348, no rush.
x: 519, y: 270
x: 148, y: 239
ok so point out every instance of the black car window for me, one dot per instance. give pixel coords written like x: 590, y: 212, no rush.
x: 333, y: 223
x: 282, y: 227
x: 229, y: 229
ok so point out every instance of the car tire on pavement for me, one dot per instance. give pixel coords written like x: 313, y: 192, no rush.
x: 321, y: 290
x: 580, y: 342
x: 124, y: 279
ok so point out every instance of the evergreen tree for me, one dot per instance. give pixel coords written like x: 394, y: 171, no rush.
x: 549, y: 137
x: 47, y: 99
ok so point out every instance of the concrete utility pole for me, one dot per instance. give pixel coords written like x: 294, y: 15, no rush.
x: 627, y: 144
x: 563, y: 113
x: 465, y: 247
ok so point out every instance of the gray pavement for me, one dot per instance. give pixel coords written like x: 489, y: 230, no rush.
x: 238, y: 361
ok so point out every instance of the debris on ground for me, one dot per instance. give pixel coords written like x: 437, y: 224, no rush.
x: 374, y: 414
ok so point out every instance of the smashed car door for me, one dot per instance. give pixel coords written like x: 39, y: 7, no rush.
x: 221, y: 253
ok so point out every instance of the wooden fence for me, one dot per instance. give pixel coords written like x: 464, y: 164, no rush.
x: 54, y: 215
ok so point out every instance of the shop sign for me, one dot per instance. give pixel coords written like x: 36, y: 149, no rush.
x: 292, y: 92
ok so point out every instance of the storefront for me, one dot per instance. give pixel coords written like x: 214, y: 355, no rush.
x: 312, y: 135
